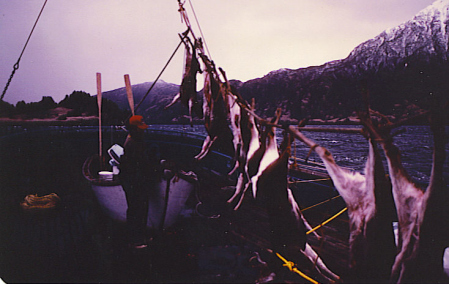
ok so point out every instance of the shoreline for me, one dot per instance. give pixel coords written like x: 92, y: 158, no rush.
x: 93, y: 121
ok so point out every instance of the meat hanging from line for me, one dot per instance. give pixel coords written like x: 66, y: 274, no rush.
x: 238, y: 120
x: 251, y: 154
x: 264, y: 151
x: 214, y: 110
x: 371, y: 213
x: 287, y: 224
x: 187, y: 91
x: 270, y: 154
x: 423, y: 216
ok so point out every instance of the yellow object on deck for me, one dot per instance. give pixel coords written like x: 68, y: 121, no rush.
x: 34, y: 202
x: 292, y: 267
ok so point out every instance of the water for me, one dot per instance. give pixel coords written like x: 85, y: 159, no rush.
x: 351, y: 150
x: 348, y: 150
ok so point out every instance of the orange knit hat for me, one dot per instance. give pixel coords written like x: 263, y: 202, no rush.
x: 137, y: 120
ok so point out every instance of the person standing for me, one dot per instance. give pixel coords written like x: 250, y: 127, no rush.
x: 138, y: 174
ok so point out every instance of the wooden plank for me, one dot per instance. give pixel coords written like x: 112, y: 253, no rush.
x: 99, y: 114
x: 129, y: 93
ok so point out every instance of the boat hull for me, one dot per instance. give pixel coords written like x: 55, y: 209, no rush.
x: 166, y: 204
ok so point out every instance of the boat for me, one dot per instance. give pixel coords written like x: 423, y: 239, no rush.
x: 174, y: 195
x: 166, y: 202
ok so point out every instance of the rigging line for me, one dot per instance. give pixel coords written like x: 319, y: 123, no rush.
x: 16, y: 66
x: 160, y: 74
x: 325, y: 201
x: 199, y: 27
x: 327, y: 221
x: 311, y: 180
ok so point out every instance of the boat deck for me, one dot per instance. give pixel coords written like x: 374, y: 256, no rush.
x: 76, y: 243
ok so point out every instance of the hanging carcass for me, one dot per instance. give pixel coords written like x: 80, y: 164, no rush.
x: 287, y: 224
x: 252, y: 153
x: 214, y: 110
x: 238, y: 120
x: 187, y: 91
x: 270, y: 154
x: 423, y: 216
x: 262, y: 151
x: 371, y: 212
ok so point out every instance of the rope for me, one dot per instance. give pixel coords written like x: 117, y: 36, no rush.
x: 311, y: 180
x: 327, y: 221
x: 33, y: 202
x: 310, y: 151
x: 199, y: 28
x: 292, y: 267
x: 16, y: 66
x: 325, y: 201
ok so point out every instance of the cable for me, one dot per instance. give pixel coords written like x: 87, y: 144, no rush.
x: 327, y: 221
x: 16, y: 66
x: 160, y: 74
x: 199, y: 28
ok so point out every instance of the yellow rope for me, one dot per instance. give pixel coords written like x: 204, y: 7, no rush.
x: 292, y: 267
x: 327, y: 221
x: 325, y: 201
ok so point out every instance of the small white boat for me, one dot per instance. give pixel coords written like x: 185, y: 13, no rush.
x: 167, y: 202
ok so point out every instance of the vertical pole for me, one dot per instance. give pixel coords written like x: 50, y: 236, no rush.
x: 129, y: 92
x: 99, y: 114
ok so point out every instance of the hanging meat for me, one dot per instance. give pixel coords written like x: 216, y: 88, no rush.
x: 214, y: 109
x: 187, y: 91
x: 269, y: 155
x: 237, y: 117
x: 258, y: 152
x: 287, y: 224
x: 423, y: 216
x: 251, y: 154
x: 371, y: 213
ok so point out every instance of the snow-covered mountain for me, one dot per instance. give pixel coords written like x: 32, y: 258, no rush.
x: 423, y: 38
x: 402, y: 67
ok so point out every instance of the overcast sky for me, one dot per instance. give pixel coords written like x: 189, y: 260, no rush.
x: 75, y: 39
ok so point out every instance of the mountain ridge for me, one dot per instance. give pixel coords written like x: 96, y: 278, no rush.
x: 403, y: 68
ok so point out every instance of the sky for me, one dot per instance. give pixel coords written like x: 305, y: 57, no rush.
x: 75, y: 39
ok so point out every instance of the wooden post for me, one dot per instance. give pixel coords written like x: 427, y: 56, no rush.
x: 129, y: 92
x: 99, y: 114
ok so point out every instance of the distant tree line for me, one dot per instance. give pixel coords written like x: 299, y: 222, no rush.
x: 79, y: 103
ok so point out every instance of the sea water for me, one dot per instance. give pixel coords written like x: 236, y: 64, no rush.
x: 351, y: 150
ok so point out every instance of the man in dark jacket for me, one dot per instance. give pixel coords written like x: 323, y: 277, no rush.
x: 138, y: 175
